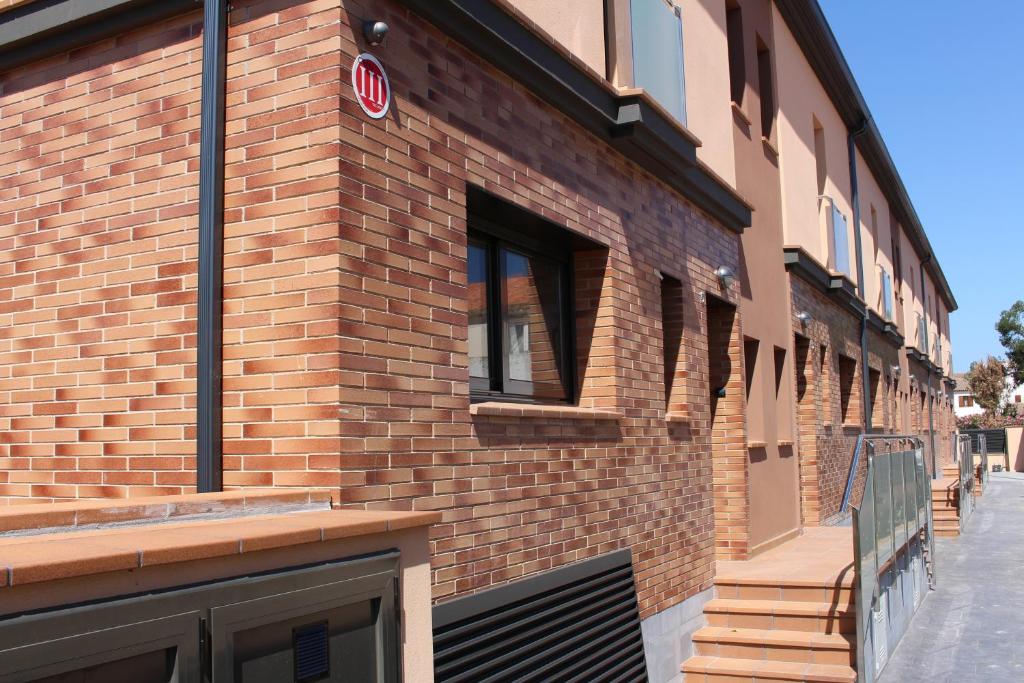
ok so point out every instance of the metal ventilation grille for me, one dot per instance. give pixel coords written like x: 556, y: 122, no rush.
x: 576, y: 623
x: 310, y: 649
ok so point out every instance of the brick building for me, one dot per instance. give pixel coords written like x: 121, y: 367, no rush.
x: 576, y: 300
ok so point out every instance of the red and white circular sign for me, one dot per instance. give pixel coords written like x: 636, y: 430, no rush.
x: 370, y: 84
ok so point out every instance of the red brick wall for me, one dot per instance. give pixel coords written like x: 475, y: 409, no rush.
x: 345, y: 323
x: 827, y: 444
x: 731, y: 465
x: 286, y: 359
x: 98, y: 191
x: 519, y: 494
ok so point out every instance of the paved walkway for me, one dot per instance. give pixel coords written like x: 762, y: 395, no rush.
x: 971, y: 628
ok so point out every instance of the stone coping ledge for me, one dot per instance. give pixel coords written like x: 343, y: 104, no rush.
x: 80, y: 515
x: 55, y: 556
x: 555, y: 412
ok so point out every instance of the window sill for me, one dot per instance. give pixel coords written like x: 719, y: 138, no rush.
x: 738, y: 111
x: 677, y: 416
x: 770, y: 146
x: 508, y: 409
x: 757, y: 444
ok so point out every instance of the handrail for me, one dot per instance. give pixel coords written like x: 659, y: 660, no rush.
x: 845, y: 505
x: 852, y: 474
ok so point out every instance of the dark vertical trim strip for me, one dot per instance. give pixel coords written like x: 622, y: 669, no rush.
x: 209, y: 452
x: 865, y: 373
x: 928, y: 367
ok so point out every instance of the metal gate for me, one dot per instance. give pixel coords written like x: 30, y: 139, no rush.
x: 894, y: 547
x: 994, y: 439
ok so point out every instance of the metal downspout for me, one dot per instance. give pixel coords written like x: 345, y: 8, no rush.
x: 209, y: 351
x: 851, y: 143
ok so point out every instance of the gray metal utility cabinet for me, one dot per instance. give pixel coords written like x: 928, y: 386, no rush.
x: 332, y: 621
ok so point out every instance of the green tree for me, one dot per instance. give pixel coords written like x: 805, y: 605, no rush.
x: 987, y: 381
x: 1011, y: 335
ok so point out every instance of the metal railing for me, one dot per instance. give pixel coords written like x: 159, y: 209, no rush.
x: 983, y: 451
x: 964, y: 459
x: 894, y: 547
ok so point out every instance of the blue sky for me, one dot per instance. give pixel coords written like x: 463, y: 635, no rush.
x: 945, y: 83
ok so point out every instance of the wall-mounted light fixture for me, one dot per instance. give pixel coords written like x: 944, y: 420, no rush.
x: 804, y: 317
x: 375, y: 32
x: 725, y: 276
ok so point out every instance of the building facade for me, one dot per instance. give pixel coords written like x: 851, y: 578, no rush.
x: 605, y: 275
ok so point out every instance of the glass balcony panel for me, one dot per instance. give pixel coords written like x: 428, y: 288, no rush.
x: 841, y: 243
x: 657, y: 31
x: 887, y: 295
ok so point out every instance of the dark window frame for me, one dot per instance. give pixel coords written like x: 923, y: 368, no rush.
x: 534, y: 238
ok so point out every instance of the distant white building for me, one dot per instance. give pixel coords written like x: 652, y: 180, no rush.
x: 964, y: 403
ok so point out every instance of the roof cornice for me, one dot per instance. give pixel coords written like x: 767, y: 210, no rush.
x: 807, y: 22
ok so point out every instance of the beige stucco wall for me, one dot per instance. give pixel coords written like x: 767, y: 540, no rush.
x: 911, y: 289
x: 576, y: 24
x: 877, y: 248
x: 802, y: 98
x: 706, y: 65
x: 1015, y: 448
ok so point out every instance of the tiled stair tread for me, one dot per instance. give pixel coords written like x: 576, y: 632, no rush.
x: 945, y: 484
x: 774, y: 638
x: 771, y: 670
x: 53, y: 556
x: 89, y: 513
x: 819, y: 556
x: 845, y: 580
x: 788, y: 608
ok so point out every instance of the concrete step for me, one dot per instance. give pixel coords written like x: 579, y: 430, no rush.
x: 703, y: 669
x: 947, y: 529
x: 775, y: 645
x: 787, y: 615
x: 951, y: 471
